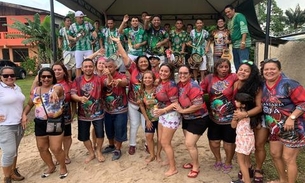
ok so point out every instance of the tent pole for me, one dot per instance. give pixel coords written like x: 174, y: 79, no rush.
x: 53, y: 32
x: 267, y: 29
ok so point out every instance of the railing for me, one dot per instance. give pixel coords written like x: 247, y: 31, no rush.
x: 11, y: 38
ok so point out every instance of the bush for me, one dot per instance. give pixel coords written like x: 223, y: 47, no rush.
x: 29, y: 65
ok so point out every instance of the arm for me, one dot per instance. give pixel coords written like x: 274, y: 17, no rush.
x: 25, y: 112
x: 35, y: 83
x: 234, y: 123
x: 60, y: 40
x: 121, y: 28
x: 146, y: 22
x: 97, y: 53
x: 122, y: 51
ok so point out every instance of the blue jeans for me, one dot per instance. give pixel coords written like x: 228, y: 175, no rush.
x: 116, y: 126
x: 240, y: 55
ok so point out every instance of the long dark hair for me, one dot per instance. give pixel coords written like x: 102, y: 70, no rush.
x: 253, y: 83
x: 137, y: 62
x: 66, y: 76
x: 48, y: 69
x: 249, y: 103
x: 171, y: 69
x: 142, y: 87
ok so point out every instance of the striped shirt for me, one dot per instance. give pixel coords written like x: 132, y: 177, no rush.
x: 83, y: 43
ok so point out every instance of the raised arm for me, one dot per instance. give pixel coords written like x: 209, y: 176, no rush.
x: 121, y: 51
x: 125, y: 20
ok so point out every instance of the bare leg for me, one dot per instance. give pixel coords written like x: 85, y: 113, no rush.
x: 78, y: 72
x: 91, y: 155
x: 229, y: 150
x: 195, y: 73
x: 190, y: 142
x: 242, y: 161
x: 42, y: 143
x: 215, y: 148
x: 276, y: 152
x: 67, y: 144
x: 151, y: 147
x: 99, y: 142
x: 290, y: 158
x: 202, y: 75
x: 261, y: 136
x: 56, y: 148
x: 93, y: 136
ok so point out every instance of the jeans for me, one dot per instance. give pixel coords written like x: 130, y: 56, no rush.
x: 240, y: 55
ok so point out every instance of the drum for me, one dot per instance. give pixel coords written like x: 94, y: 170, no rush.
x: 179, y: 60
x: 118, y: 59
x: 195, y: 60
x: 69, y: 61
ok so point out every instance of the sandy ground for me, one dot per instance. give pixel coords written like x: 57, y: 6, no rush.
x: 127, y: 169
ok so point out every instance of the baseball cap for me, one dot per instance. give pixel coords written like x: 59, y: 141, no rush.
x: 79, y: 14
x: 155, y: 57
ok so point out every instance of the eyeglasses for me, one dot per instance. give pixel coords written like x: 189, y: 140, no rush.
x: 183, y: 73
x: 46, y: 76
x: 271, y: 60
x: 248, y: 62
x: 9, y: 75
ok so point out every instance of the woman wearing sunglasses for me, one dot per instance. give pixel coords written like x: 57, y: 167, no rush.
x: 11, y: 131
x: 48, y: 99
x: 219, y: 87
x: 283, y: 102
x: 249, y: 82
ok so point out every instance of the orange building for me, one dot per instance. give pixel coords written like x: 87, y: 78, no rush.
x: 12, y: 48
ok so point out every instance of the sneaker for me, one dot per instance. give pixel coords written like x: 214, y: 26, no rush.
x: 132, y: 150
x: 116, y: 155
x: 237, y: 181
x: 108, y: 149
x: 16, y: 176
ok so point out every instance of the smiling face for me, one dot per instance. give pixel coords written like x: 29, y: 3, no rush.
x: 134, y: 22
x: 148, y: 79
x: 184, y: 74
x: 59, y: 72
x: 8, y: 77
x: 156, y: 22
x: 46, y: 78
x: 199, y: 24
x: 88, y: 67
x: 100, y: 65
x: 143, y: 64
x: 229, y: 12
x: 154, y: 62
x: 110, y: 24
x: 243, y: 72
x: 111, y: 67
x: 271, y: 72
x: 164, y: 73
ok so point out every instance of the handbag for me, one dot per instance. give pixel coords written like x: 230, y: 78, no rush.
x: 54, y: 125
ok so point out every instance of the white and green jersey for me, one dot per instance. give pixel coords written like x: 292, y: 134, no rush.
x: 63, y: 34
x: 109, y: 45
x: 135, y: 37
x: 82, y: 31
x: 198, y: 39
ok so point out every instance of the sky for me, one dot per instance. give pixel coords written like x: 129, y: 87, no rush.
x: 61, y: 9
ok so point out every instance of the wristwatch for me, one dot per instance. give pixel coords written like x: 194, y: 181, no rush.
x: 293, y: 117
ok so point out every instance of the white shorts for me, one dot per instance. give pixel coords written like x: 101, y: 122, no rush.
x: 203, y: 65
x: 170, y: 120
x: 80, y: 55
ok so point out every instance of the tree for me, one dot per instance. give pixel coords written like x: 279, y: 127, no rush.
x: 36, y: 34
x: 277, y: 18
x: 295, y: 18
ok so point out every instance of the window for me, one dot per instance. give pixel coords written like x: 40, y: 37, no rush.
x: 20, y: 54
x: 6, y: 54
x: 3, y: 21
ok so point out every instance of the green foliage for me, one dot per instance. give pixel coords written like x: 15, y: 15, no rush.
x: 29, y: 65
x: 277, y: 19
x: 295, y: 18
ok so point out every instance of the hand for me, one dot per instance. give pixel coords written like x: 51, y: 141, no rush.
x: 242, y: 46
x: 239, y: 114
x: 126, y: 18
x: 149, y: 125
x: 178, y: 108
x: 289, y: 124
x: 159, y: 112
x: 147, y: 18
x: 2, y: 118
x: 158, y: 45
x: 207, y: 49
x: 84, y: 99
x: 24, y: 121
x: 136, y: 46
x: 116, y: 82
x: 54, y: 97
x: 227, y: 41
x: 115, y: 39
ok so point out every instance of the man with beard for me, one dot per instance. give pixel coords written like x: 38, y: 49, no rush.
x: 240, y: 36
x: 87, y: 91
x: 80, y: 32
x: 135, y: 35
x: 157, y: 37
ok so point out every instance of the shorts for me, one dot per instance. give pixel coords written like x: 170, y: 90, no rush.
x: 245, y: 144
x: 116, y: 126
x: 80, y: 55
x: 68, y: 130
x: 196, y: 126
x: 221, y: 132
x: 170, y: 120
x: 153, y: 129
x: 10, y: 137
x: 41, y: 127
x: 203, y: 65
x: 84, y: 129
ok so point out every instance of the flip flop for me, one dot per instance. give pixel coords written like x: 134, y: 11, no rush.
x: 187, y: 166
x: 45, y: 175
x: 193, y: 174
x: 62, y: 176
x: 67, y: 161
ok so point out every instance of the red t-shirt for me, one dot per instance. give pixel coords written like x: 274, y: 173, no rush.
x: 67, y: 107
x: 166, y: 93
x: 190, y: 94
x: 93, y: 108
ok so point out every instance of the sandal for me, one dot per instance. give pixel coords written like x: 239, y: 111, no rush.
x: 187, y: 166
x: 226, y: 168
x: 193, y: 174
x: 218, y: 166
x: 251, y: 174
x: 258, y: 179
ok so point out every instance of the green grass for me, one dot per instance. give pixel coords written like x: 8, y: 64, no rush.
x: 25, y: 85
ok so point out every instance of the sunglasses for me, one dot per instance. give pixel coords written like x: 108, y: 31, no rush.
x: 46, y: 76
x: 248, y: 62
x: 271, y: 60
x: 8, y: 75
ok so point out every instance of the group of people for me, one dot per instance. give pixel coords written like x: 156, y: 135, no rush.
x: 242, y: 109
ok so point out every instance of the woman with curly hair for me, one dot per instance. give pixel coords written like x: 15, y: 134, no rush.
x: 249, y: 82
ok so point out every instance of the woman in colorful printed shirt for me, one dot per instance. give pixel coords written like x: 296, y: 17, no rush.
x: 283, y: 106
x: 195, y: 116
x: 219, y: 86
x: 147, y: 105
x: 136, y: 69
x: 11, y: 128
x: 50, y: 95
x: 169, y: 119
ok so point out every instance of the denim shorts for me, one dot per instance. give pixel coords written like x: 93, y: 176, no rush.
x: 116, y: 126
x: 84, y: 129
